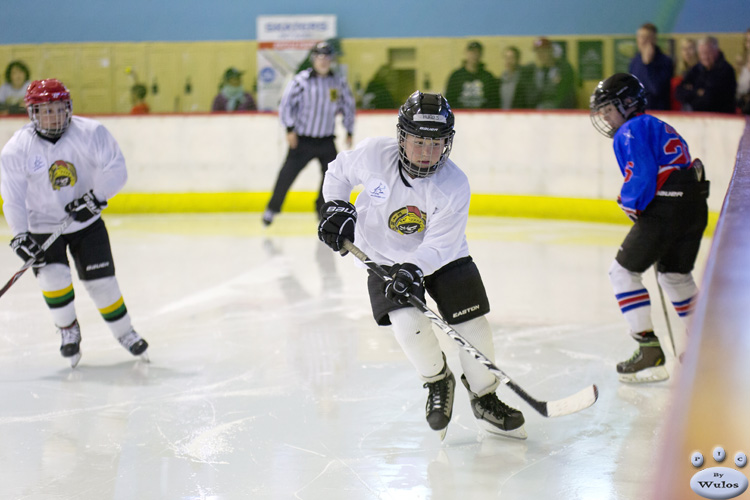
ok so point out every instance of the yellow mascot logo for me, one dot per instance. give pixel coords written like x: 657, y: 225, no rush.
x: 62, y: 174
x: 408, y: 220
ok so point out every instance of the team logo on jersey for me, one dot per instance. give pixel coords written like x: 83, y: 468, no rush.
x: 334, y: 94
x: 62, y: 174
x: 408, y: 220
x: 377, y: 190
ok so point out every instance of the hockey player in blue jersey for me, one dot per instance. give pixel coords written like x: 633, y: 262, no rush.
x: 664, y: 193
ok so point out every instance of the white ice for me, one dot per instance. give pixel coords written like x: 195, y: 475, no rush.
x: 270, y: 380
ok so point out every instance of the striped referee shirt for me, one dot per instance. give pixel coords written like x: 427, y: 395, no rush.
x: 311, y: 102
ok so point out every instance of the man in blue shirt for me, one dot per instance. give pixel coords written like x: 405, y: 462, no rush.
x: 653, y: 68
x: 664, y: 193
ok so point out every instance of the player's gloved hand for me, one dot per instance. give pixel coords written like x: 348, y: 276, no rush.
x: 337, y: 221
x: 632, y: 214
x: 85, y: 207
x: 407, y: 280
x: 27, y: 248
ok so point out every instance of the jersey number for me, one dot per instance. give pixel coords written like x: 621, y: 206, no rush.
x: 628, y: 171
x: 675, y: 146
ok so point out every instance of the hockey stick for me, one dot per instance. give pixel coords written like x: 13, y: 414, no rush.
x: 47, y: 243
x: 666, y: 314
x: 571, y: 404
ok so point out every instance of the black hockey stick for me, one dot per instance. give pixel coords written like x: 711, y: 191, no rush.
x: 571, y: 404
x: 47, y: 243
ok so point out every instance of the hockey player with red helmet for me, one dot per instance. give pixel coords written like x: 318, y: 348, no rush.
x: 664, y: 192
x: 62, y: 165
x: 411, y: 219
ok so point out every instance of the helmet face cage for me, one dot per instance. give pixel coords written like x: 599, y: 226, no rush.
x: 50, y: 120
x: 428, y: 120
x: 45, y: 121
x: 623, y: 91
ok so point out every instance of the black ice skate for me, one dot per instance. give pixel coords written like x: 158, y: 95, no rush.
x: 71, y: 343
x: 646, y: 364
x: 135, y: 344
x: 439, y: 407
x: 494, y: 416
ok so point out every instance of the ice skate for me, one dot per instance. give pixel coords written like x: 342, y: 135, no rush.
x: 268, y: 216
x: 135, y: 344
x: 646, y: 364
x: 439, y: 407
x: 71, y: 343
x: 494, y: 416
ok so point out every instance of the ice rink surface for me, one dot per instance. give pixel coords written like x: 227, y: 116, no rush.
x: 270, y: 380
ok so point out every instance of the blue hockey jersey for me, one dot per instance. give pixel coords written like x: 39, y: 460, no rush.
x: 647, y: 150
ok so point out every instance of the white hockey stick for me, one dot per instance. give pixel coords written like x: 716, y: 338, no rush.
x: 666, y: 314
x: 571, y: 404
x: 47, y: 243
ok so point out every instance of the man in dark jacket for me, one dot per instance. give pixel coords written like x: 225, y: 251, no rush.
x: 472, y: 86
x: 653, y: 68
x: 711, y: 84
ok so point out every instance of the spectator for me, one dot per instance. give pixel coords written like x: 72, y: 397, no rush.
x: 377, y: 95
x: 710, y: 85
x: 310, y: 122
x: 743, y: 80
x: 138, y: 97
x: 516, y: 82
x: 653, y: 68
x: 554, y: 79
x: 232, y: 96
x: 688, y: 59
x: 472, y: 86
x: 13, y: 90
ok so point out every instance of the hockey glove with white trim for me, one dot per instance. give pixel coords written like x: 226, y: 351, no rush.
x: 407, y: 280
x: 337, y: 221
x: 85, y: 207
x: 27, y: 248
x: 631, y: 213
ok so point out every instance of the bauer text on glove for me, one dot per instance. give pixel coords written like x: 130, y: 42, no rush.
x: 337, y: 221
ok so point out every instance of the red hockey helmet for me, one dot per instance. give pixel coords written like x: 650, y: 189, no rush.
x: 39, y: 98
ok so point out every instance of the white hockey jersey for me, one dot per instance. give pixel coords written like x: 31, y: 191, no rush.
x: 38, y: 178
x: 400, y: 219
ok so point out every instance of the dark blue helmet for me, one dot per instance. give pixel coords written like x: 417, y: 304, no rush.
x: 625, y: 92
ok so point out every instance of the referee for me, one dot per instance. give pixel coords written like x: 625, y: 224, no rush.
x: 308, y: 110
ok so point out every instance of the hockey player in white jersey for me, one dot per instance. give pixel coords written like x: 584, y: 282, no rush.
x: 411, y: 219
x: 60, y: 165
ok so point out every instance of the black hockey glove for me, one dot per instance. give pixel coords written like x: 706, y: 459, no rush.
x: 27, y: 248
x: 407, y: 280
x: 85, y: 207
x: 337, y: 221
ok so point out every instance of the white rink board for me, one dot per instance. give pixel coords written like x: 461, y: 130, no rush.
x: 520, y: 153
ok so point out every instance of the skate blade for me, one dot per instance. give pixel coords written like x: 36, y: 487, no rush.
x: 518, y: 433
x: 654, y: 374
x: 74, y: 359
x: 144, y: 357
x: 442, y: 433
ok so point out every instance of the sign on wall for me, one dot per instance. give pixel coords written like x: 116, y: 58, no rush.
x: 283, y: 44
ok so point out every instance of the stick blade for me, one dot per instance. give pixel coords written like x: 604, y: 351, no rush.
x: 575, y: 403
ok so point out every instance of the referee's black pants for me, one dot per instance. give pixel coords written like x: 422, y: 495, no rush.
x: 308, y: 148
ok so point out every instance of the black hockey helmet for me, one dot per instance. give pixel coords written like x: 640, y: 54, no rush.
x: 324, y: 48
x: 425, y: 116
x: 625, y: 92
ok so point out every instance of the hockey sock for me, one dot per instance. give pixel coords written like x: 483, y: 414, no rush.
x: 413, y: 331
x: 479, y: 334
x: 681, y: 290
x: 106, y: 295
x: 632, y: 297
x: 57, y: 288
